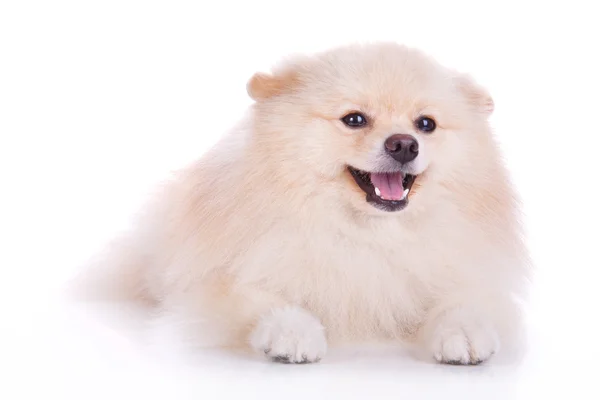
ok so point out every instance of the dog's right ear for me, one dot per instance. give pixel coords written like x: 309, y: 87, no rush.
x: 263, y: 86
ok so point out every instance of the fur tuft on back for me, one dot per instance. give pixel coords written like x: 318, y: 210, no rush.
x: 114, y: 274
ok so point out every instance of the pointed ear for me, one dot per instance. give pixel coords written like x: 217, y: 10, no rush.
x: 263, y: 86
x: 476, y: 95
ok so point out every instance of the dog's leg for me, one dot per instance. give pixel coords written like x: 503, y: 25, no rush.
x: 218, y: 315
x: 468, y: 332
x: 290, y: 335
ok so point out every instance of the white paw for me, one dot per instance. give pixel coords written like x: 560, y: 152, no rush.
x: 460, y: 337
x: 290, y: 335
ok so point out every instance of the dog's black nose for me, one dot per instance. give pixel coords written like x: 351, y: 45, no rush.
x: 403, y: 148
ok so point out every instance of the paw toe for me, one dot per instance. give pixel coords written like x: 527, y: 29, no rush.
x: 290, y: 336
x: 460, y: 342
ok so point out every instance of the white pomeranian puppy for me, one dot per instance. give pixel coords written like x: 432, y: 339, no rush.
x: 363, y: 198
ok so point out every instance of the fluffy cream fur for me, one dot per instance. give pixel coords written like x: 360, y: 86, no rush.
x: 266, y: 241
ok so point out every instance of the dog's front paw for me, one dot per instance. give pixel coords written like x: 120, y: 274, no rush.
x: 290, y: 335
x: 461, y: 338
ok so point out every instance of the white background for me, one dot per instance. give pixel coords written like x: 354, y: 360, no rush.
x: 98, y: 100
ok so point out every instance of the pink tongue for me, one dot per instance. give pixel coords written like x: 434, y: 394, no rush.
x: 390, y: 185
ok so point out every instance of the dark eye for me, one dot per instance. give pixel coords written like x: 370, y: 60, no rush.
x: 355, y: 120
x: 425, y: 124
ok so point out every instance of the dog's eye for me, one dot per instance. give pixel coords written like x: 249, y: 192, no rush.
x: 425, y: 124
x: 355, y: 120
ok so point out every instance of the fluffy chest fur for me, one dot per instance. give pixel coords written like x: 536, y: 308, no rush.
x: 375, y: 279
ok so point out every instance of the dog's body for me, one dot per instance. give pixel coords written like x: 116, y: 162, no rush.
x: 267, y: 240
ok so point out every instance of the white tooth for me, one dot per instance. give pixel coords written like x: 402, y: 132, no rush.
x: 404, y: 194
x: 377, y: 191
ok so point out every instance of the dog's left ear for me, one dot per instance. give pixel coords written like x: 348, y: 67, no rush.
x: 476, y: 95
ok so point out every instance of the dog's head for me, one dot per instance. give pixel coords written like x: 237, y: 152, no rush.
x: 378, y: 123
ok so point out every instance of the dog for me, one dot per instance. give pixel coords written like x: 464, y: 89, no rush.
x: 362, y: 198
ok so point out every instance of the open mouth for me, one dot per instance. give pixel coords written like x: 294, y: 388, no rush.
x: 387, y: 191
